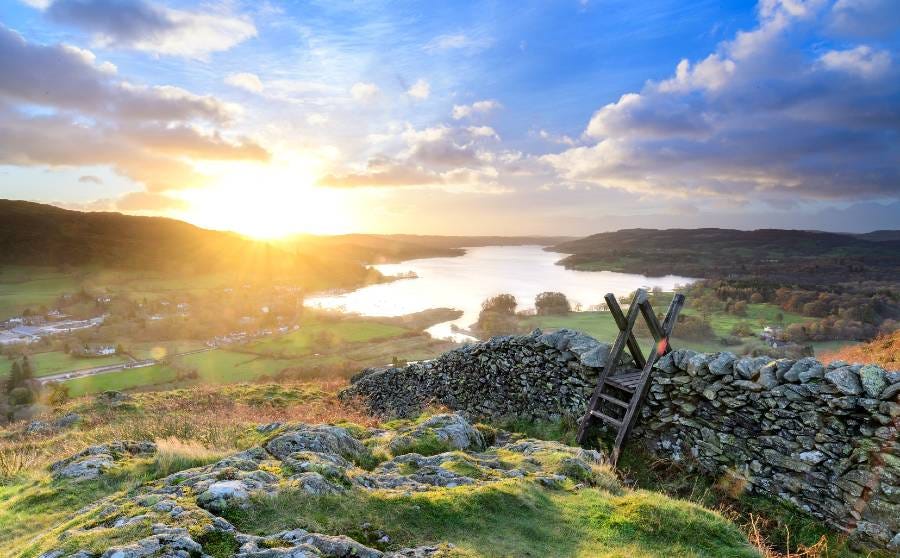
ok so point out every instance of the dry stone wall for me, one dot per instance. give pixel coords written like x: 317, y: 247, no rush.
x: 821, y: 437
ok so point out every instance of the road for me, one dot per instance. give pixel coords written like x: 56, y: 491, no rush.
x: 72, y: 374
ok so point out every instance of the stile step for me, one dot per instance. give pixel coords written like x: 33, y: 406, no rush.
x: 614, y: 401
x: 606, y: 418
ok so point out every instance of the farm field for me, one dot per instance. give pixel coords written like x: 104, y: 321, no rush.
x: 162, y: 349
x: 308, y: 339
x: 601, y: 326
x: 45, y: 364
x: 21, y: 287
x: 229, y: 366
x: 121, y: 380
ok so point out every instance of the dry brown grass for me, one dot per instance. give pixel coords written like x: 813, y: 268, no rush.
x: 883, y: 351
x: 757, y: 526
x: 216, y: 419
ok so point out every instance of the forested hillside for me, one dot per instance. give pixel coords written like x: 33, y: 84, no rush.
x: 801, y: 257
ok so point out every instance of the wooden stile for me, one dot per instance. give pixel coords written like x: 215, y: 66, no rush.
x: 625, y: 389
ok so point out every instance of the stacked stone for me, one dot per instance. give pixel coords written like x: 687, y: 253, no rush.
x: 529, y: 376
x: 821, y: 437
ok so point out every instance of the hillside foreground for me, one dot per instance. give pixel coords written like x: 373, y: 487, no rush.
x: 251, y: 471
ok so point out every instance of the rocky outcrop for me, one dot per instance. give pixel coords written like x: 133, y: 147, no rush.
x: 181, y: 514
x: 821, y: 437
x: 97, y: 460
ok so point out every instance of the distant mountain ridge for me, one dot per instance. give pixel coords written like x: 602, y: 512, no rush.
x: 791, y: 255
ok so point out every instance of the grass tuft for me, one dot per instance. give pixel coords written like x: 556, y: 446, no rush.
x: 174, y: 454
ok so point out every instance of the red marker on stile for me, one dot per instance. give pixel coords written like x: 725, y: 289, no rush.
x: 662, y: 346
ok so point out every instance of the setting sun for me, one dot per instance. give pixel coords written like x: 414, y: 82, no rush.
x: 265, y: 201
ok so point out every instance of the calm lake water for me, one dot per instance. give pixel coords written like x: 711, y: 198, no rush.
x: 464, y: 282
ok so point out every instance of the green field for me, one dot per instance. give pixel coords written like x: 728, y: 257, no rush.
x: 121, y: 380
x: 162, y: 349
x: 305, y: 340
x: 45, y: 364
x: 21, y: 287
x: 758, y: 316
x: 601, y: 326
x: 227, y: 367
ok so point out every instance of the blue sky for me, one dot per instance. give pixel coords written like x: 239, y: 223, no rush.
x: 565, y: 117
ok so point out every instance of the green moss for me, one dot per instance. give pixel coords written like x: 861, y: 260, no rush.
x: 218, y: 544
x: 427, y: 444
x: 465, y: 468
x: 511, y: 518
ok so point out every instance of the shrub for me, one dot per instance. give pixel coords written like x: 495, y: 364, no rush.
x: 21, y: 396
x: 59, y: 394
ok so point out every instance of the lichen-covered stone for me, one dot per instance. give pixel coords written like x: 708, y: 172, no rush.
x: 320, y: 439
x: 94, y: 461
x: 451, y: 430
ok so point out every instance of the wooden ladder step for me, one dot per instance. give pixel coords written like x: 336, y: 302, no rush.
x: 614, y: 401
x: 606, y: 418
x: 626, y: 381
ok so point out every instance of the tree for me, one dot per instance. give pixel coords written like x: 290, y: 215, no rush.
x: 501, y: 304
x: 27, y: 372
x: 15, y: 377
x: 548, y: 303
x: 498, y: 316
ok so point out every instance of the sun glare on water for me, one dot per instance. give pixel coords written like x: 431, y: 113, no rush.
x: 267, y: 202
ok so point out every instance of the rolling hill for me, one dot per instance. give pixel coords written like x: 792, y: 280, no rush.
x: 786, y: 255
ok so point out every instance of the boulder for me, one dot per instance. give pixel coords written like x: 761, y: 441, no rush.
x: 96, y: 460
x: 224, y: 494
x: 449, y: 429
x: 320, y: 439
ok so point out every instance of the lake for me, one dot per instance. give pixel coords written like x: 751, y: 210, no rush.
x: 463, y: 282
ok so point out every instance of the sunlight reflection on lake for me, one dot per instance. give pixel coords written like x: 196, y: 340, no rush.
x: 464, y: 282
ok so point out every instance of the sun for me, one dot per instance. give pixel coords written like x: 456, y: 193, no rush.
x: 266, y: 201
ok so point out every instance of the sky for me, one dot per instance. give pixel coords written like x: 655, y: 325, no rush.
x: 564, y: 117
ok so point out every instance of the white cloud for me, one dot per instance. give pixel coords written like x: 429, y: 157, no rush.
x: 458, y: 41
x: 478, y: 107
x: 555, y: 138
x: 316, y: 119
x: 150, y: 27
x: 421, y: 89
x: 364, y: 92
x: 455, y: 159
x: 245, y: 80
x: 758, y: 119
x: 862, y: 61
x: 483, y: 132
x: 90, y: 117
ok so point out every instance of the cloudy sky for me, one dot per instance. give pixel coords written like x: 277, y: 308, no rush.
x: 557, y: 117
